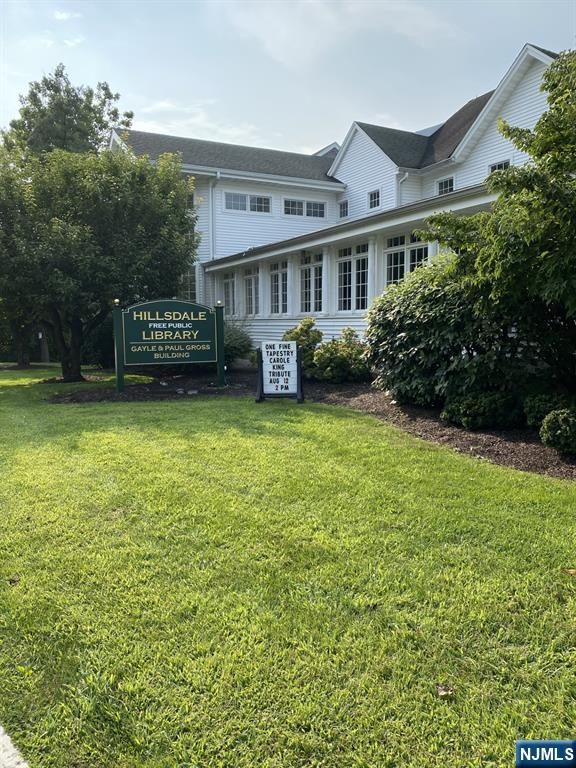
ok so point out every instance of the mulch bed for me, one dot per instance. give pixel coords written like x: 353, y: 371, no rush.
x: 517, y: 448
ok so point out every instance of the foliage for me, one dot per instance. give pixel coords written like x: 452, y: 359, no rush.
x: 237, y: 342
x: 307, y: 337
x: 484, y: 410
x: 205, y: 583
x: 98, y: 347
x: 342, y: 359
x: 537, y: 407
x: 426, y: 343
x: 559, y: 431
x: 79, y: 230
x: 55, y: 114
x: 522, y: 251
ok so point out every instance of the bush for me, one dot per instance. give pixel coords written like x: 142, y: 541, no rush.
x: 308, y: 337
x: 427, y: 341
x: 559, y: 431
x: 537, y: 407
x: 484, y: 410
x: 342, y: 359
x: 237, y: 342
x: 99, y: 345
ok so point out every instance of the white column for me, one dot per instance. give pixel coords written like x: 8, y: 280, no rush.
x: 329, y: 279
x: 239, y: 288
x: 293, y: 285
x: 372, y: 255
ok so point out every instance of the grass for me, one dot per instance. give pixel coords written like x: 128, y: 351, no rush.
x: 216, y: 583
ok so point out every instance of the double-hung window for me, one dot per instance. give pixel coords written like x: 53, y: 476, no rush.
x: 251, y: 291
x: 279, y: 288
x: 188, y: 285
x: 343, y: 209
x: 403, y: 254
x: 353, y: 278
x: 395, y: 264
x: 229, y: 285
x: 310, y: 208
x: 315, y: 210
x: 417, y: 257
x: 311, y: 283
x: 294, y: 207
x: 374, y: 199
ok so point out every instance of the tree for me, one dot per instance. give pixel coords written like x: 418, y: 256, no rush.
x: 55, y: 114
x: 523, y: 252
x: 84, y: 229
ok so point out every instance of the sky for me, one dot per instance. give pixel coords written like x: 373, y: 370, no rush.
x: 285, y: 74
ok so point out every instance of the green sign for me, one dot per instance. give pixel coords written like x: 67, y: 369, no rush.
x: 168, y: 332
x: 157, y: 332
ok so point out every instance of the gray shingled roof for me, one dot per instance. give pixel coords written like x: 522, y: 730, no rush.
x: 412, y: 150
x: 232, y: 157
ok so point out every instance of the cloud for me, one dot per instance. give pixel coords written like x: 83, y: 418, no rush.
x: 194, y: 121
x: 299, y: 32
x: 74, y: 41
x: 66, y: 15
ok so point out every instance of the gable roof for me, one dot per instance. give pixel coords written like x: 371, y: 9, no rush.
x: 231, y: 157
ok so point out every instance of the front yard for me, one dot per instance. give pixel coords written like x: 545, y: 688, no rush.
x: 221, y: 584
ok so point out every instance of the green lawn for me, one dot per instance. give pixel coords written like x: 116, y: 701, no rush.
x: 216, y: 583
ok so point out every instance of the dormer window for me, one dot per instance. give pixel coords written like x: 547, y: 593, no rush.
x: 374, y: 199
x: 445, y: 186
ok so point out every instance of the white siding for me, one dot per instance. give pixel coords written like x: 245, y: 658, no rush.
x: 201, y: 202
x: 272, y: 330
x: 365, y: 168
x: 522, y: 108
x: 239, y: 230
x: 410, y: 190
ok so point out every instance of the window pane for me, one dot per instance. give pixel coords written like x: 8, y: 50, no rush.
x: 394, y: 267
x: 229, y: 295
x: 394, y: 242
x: 362, y: 248
x: 374, y: 199
x: 305, y: 277
x: 344, y: 285
x: 318, y: 288
x: 501, y: 166
x: 361, y: 283
x: 294, y: 207
x: 344, y: 209
x: 284, y: 293
x: 274, y: 293
x: 446, y: 186
x: 417, y: 257
x: 235, y: 201
x: 315, y: 209
x: 259, y: 204
x: 188, y: 286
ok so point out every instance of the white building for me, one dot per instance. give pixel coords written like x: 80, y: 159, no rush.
x: 287, y: 235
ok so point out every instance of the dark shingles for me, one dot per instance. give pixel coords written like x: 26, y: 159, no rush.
x: 233, y: 157
x: 552, y: 54
x: 402, y: 147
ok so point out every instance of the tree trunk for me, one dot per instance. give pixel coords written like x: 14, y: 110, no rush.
x: 21, y: 335
x: 70, y: 352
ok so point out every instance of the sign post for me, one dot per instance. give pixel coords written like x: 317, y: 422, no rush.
x: 168, y: 332
x: 279, y: 371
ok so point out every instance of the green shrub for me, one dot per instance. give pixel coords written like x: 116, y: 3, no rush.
x: 428, y: 341
x: 342, y: 359
x: 237, y: 342
x: 559, y: 431
x: 484, y: 410
x: 307, y: 336
x: 537, y: 407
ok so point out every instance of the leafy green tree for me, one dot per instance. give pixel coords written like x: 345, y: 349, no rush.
x: 55, y: 114
x: 84, y: 229
x: 523, y: 252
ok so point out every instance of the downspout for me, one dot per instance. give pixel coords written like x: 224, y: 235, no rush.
x: 398, y: 191
x: 213, y: 216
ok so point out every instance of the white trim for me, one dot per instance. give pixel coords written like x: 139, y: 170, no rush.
x: 247, y: 210
x: 289, y: 181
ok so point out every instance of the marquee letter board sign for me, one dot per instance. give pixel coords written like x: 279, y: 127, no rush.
x: 279, y: 370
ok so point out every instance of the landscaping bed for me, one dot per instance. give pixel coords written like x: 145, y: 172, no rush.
x: 517, y: 448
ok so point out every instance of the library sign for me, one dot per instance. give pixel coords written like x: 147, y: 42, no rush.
x: 279, y: 370
x: 168, y: 332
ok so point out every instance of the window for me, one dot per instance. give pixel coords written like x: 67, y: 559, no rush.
x: 294, y: 207
x: 187, y: 290
x: 316, y: 210
x: 234, y: 201
x: 259, y: 204
x: 251, y: 291
x: 374, y: 199
x: 279, y: 288
x: 229, y: 285
x: 445, y: 186
x: 311, y: 283
x: 343, y: 209
x: 353, y: 278
x: 237, y: 201
x: 394, y: 242
x: 501, y: 166
x: 394, y: 267
x: 417, y: 257
x: 414, y: 238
